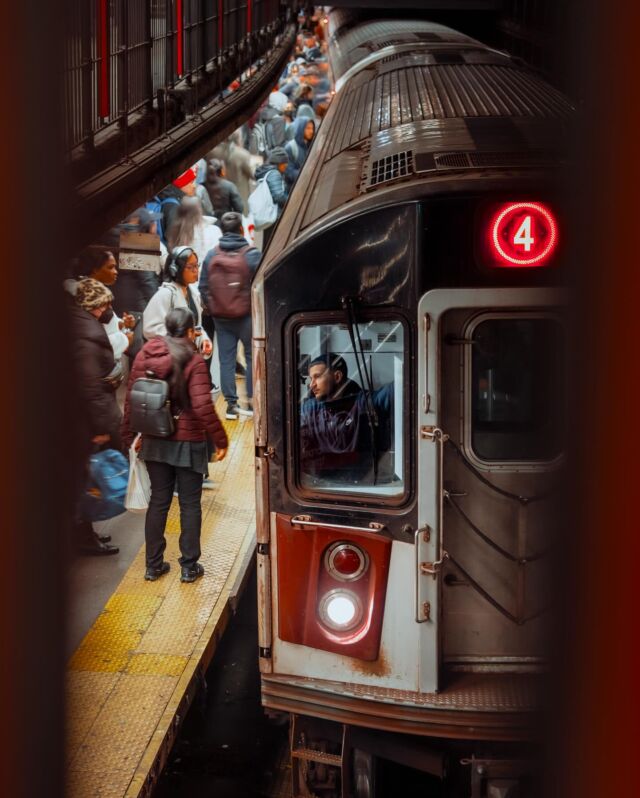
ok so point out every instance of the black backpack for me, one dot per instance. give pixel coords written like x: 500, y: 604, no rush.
x: 150, y: 407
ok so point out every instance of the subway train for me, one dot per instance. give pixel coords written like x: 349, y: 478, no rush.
x: 410, y: 389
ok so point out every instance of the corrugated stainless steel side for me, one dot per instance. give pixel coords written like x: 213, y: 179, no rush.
x: 347, y: 46
x: 421, y: 93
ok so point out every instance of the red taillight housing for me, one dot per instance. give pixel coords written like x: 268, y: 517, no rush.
x: 331, y: 587
x: 345, y: 561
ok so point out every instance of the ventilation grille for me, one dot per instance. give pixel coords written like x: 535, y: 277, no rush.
x: 395, y: 57
x: 477, y: 160
x: 400, y: 164
x: 452, y: 160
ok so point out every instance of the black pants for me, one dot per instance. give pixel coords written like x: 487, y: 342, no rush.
x: 164, y: 478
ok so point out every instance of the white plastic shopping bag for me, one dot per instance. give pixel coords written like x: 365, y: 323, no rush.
x: 139, y: 489
x: 261, y: 205
x: 249, y: 228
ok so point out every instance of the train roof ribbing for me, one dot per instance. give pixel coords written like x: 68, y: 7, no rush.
x: 422, y: 111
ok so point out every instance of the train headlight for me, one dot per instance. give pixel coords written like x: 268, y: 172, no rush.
x: 340, y: 610
x: 346, y: 561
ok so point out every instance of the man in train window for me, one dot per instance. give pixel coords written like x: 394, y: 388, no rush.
x: 344, y: 430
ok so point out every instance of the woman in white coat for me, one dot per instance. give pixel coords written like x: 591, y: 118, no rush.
x: 179, y: 290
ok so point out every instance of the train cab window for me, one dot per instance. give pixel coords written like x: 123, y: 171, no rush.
x: 350, y: 408
x: 516, y: 389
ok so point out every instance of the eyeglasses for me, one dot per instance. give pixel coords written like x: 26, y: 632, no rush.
x: 192, y: 266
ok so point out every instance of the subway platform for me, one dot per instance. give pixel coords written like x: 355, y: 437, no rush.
x: 138, y: 668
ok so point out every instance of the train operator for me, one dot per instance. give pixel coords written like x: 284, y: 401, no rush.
x: 342, y: 433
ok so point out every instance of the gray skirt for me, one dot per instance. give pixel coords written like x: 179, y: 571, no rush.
x: 193, y: 455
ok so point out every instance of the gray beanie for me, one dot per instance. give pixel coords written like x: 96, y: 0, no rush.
x: 278, y: 155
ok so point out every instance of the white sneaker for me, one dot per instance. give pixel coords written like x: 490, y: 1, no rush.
x: 248, y: 412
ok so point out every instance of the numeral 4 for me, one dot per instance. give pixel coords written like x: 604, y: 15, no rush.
x: 523, y: 235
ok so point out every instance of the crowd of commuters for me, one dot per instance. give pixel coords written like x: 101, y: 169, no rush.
x: 184, y: 315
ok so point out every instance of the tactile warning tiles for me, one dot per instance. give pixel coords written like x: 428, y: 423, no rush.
x: 130, y: 673
x: 116, y: 633
x: 162, y: 664
x: 85, y: 695
x: 97, y: 783
x: 120, y: 733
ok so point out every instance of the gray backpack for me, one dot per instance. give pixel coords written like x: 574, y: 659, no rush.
x: 150, y: 408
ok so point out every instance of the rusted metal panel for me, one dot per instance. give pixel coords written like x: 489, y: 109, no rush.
x: 478, y: 707
x: 259, y: 386
x: 262, y: 500
x: 264, y: 609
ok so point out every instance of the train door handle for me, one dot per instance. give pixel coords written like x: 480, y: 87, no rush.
x: 423, y: 608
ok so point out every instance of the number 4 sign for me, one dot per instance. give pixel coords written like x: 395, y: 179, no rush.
x: 523, y: 234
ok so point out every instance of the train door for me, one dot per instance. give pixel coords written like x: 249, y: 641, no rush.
x: 491, y: 393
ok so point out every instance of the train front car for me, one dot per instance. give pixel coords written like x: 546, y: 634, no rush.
x: 408, y: 348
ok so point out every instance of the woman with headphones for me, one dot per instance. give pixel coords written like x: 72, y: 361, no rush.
x: 179, y: 290
x: 180, y: 459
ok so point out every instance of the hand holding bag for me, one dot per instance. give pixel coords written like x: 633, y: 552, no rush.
x: 139, y: 489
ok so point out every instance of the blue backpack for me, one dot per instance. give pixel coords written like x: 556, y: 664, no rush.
x: 106, y: 489
x: 156, y: 205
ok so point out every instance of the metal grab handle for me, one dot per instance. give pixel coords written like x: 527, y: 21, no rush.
x: 305, y: 520
x: 437, y: 436
x: 418, y: 570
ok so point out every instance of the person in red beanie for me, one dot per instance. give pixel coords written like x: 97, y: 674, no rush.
x: 171, y: 196
x: 187, y: 182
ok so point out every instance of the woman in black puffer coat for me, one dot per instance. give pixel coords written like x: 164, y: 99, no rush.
x: 99, y: 423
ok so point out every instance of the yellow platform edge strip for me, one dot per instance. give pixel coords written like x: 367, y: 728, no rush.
x: 130, y: 612
x: 157, y: 752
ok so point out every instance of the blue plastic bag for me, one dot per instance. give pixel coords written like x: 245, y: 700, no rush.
x: 106, y: 489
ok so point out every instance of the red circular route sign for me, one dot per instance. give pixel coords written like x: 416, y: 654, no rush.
x: 523, y: 234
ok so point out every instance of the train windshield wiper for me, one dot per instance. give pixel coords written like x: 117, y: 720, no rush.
x: 348, y: 303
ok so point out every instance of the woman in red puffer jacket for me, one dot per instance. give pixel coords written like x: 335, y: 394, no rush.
x: 180, y: 459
